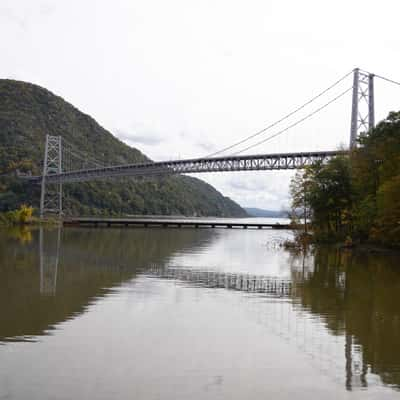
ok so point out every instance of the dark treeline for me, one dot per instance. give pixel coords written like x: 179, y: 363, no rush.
x: 355, y: 198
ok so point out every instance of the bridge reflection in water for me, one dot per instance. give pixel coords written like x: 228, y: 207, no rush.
x: 284, y: 317
x: 334, y: 306
x: 234, y: 281
x: 49, y: 256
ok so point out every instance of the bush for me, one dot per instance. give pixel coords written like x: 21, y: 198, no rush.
x: 17, y: 217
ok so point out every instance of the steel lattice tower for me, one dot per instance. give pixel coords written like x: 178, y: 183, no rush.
x: 51, y: 193
x: 363, y: 107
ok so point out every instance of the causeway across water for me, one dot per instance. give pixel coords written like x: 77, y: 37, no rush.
x: 171, y: 223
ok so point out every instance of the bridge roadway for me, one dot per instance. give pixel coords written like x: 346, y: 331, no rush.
x: 171, y: 223
x: 261, y: 162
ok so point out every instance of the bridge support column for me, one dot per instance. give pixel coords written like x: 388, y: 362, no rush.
x: 363, y: 105
x: 51, y: 193
x: 371, y: 102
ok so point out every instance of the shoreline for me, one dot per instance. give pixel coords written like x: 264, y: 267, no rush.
x: 363, y: 247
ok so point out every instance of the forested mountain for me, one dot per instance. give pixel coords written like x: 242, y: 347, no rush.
x: 29, y: 112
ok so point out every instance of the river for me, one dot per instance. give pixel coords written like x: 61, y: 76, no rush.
x: 194, y: 314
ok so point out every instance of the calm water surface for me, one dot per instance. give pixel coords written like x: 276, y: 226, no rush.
x: 194, y: 314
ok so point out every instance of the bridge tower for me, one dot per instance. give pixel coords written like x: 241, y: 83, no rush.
x: 363, y: 107
x: 51, y: 193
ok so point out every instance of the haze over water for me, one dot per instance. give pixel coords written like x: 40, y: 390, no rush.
x: 194, y: 314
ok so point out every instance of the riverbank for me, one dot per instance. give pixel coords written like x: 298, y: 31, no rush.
x: 303, y: 240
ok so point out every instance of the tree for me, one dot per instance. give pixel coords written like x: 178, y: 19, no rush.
x: 299, y: 191
x: 376, y: 179
x: 322, y: 195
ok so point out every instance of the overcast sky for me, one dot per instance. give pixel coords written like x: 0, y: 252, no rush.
x: 184, y: 78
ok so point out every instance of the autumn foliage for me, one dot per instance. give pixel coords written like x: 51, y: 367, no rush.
x: 18, y: 217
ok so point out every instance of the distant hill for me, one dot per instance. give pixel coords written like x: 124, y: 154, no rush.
x: 258, y: 212
x: 28, y: 112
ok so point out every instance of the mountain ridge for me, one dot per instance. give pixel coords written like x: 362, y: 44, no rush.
x: 28, y: 112
x: 260, y: 212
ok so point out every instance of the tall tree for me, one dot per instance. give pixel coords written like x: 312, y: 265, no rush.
x: 300, y: 194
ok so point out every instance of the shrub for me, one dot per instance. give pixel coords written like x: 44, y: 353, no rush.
x: 17, y: 217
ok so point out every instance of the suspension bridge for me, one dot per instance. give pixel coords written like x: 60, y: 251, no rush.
x: 64, y: 163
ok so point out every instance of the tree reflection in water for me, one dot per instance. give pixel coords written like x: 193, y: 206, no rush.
x: 335, y: 302
x: 355, y: 295
x: 58, y: 274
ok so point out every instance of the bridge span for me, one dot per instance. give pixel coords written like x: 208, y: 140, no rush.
x: 260, y: 162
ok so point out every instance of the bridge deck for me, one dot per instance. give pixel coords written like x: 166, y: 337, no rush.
x: 260, y: 162
x: 170, y: 223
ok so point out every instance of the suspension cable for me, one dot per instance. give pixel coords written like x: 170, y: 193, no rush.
x: 81, y: 155
x: 86, y: 160
x: 387, y: 79
x: 283, y: 118
x: 380, y: 77
x: 295, y: 123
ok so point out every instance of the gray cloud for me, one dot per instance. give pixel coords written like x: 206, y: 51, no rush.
x: 148, y: 139
x: 47, y: 9
x: 8, y: 14
x: 207, y: 146
x: 247, y: 185
x: 25, y: 15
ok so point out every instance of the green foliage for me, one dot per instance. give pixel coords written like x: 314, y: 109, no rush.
x: 330, y: 197
x: 17, y: 217
x: 388, y: 206
x: 29, y: 112
x: 322, y: 193
x: 358, y: 196
x: 376, y: 181
x: 300, y: 194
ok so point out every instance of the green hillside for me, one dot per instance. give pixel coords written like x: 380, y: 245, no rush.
x: 29, y: 112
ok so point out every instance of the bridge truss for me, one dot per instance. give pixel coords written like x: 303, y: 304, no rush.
x: 262, y: 162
